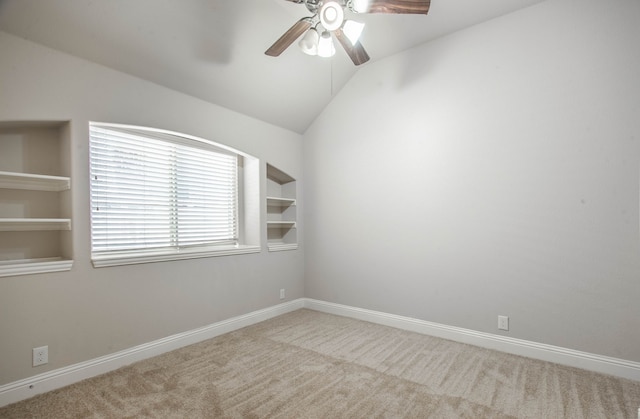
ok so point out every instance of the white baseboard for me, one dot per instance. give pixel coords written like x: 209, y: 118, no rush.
x: 29, y: 387
x: 584, y: 360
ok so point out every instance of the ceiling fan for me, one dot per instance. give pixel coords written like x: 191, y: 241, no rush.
x: 329, y: 19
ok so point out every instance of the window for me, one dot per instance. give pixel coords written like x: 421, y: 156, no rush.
x: 158, y: 195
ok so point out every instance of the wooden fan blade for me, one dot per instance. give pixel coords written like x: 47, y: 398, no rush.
x: 289, y: 37
x: 356, y: 52
x: 399, y: 6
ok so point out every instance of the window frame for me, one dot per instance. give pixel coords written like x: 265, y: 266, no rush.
x: 247, y: 215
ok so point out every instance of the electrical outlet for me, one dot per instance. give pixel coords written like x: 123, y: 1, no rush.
x: 282, y: 294
x: 40, y: 355
x: 503, y: 322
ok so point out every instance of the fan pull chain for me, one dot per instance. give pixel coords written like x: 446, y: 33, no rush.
x: 331, y: 81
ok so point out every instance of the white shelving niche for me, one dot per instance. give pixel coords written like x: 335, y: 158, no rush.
x: 35, y: 197
x: 281, y: 210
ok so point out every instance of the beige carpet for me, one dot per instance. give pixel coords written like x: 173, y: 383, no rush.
x: 307, y: 364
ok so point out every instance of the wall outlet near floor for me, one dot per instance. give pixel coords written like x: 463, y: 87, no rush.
x: 282, y: 294
x: 503, y: 322
x: 40, y: 355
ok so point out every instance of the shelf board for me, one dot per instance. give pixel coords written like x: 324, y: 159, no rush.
x: 278, y: 175
x: 281, y: 224
x: 34, y: 266
x: 12, y: 125
x: 278, y: 247
x: 273, y: 201
x: 34, y: 224
x: 33, y: 182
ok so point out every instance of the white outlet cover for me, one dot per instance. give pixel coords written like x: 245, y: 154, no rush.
x: 503, y: 322
x: 40, y: 355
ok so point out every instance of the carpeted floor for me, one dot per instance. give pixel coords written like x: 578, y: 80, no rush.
x: 308, y: 364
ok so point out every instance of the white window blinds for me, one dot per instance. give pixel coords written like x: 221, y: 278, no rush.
x: 151, y: 190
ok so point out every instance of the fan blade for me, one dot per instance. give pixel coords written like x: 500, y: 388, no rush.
x: 356, y: 52
x: 289, y: 37
x: 399, y: 6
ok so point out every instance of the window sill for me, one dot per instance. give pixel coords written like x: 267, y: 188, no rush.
x: 132, y: 258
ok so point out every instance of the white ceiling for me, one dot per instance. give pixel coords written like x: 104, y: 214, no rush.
x: 214, y: 49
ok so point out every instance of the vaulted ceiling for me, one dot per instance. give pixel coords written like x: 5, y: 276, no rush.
x: 214, y: 49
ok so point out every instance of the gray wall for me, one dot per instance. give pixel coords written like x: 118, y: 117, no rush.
x: 87, y: 312
x: 493, y: 171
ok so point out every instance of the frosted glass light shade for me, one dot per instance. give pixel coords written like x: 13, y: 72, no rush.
x: 353, y: 30
x: 325, y: 45
x: 309, y: 42
x: 360, y: 6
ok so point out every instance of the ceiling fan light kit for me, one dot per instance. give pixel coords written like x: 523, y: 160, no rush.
x: 329, y: 15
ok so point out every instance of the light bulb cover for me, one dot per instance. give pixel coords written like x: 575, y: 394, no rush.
x: 325, y: 45
x: 352, y: 30
x: 360, y: 6
x: 309, y: 42
x: 331, y: 15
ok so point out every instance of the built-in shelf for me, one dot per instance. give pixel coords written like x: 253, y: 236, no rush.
x: 281, y: 224
x: 34, y: 224
x: 277, y: 175
x: 280, y: 202
x: 35, y: 197
x: 33, y: 182
x: 34, y: 266
x: 281, y: 210
x: 278, y: 247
